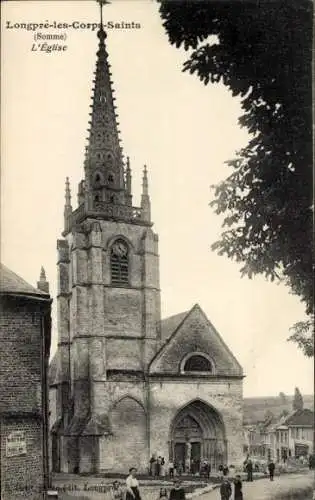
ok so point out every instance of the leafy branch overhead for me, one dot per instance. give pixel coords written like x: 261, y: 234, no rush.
x: 262, y: 51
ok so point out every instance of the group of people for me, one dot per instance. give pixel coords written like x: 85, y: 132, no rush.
x: 132, y: 491
x: 249, y: 469
x: 226, y: 488
x: 157, y: 466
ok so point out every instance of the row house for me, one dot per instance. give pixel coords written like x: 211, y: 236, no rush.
x: 290, y: 436
x: 301, y: 433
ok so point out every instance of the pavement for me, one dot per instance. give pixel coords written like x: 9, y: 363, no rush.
x: 284, y: 487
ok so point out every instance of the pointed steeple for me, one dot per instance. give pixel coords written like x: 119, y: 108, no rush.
x: 128, y: 182
x: 42, y: 284
x: 145, y: 198
x: 104, y: 169
x: 67, y: 194
x: 68, y: 208
x: 105, y: 191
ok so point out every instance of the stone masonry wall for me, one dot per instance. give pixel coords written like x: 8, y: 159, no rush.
x: 168, y: 397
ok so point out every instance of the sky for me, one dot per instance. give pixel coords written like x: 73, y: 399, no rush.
x: 182, y: 130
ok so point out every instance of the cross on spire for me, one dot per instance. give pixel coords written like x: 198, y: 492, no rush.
x: 106, y: 188
x: 101, y: 4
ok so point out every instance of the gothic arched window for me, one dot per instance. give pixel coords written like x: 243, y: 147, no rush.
x: 119, y: 263
x: 197, y: 363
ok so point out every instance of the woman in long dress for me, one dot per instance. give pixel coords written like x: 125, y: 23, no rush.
x: 238, y: 494
x: 132, y: 485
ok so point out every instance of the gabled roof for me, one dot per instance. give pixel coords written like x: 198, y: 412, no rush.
x: 193, y: 332
x: 170, y: 324
x: 301, y: 418
x: 11, y: 283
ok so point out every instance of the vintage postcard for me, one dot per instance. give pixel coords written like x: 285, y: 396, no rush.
x: 156, y: 277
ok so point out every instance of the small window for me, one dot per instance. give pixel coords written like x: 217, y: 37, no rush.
x: 110, y: 179
x: 197, y: 363
x: 97, y: 179
x: 96, y: 198
x: 119, y: 263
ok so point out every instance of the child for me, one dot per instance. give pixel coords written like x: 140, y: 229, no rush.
x: 177, y: 493
x: 163, y: 494
x: 116, y: 491
x: 225, y: 489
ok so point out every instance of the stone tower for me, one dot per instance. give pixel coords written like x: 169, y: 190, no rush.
x: 108, y: 289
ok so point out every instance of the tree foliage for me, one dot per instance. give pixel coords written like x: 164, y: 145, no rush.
x: 303, y: 336
x: 297, y: 400
x: 263, y: 53
x: 268, y: 416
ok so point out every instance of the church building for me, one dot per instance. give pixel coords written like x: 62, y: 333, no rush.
x: 125, y: 384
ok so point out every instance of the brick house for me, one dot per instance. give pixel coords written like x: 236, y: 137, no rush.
x: 124, y: 384
x: 25, y: 344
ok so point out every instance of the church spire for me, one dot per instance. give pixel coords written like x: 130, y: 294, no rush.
x: 104, y: 165
x: 43, y: 284
x: 145, y: 198
x: 128, y: 182
x: 105, y: 192
x: 68, y: 194
x: 68, y: 208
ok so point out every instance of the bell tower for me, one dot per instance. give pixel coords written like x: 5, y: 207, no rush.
x: 109, y: 291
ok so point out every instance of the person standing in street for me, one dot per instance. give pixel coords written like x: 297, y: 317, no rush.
x: 225, y: 489
x: 238, y: 494
x: 225, y: 470
x: 116, y: 491
x: 163, y: 494
x: 132, y: 485
x: 162, y: 467
x: 177, y: 493
x: 249, y: 470
x: 171, y: 468
x: 271, y: 469
x: 220, y: 469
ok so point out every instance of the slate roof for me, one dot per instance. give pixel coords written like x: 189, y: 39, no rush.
x: 11, y: 283
x: 169, y: 324
x: 301, y: 418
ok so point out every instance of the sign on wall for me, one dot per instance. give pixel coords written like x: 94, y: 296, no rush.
x: 16, y: 444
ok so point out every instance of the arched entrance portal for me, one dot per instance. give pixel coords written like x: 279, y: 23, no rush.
x: 197, y: 433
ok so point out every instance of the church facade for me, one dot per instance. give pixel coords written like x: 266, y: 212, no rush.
x: 124, y: 384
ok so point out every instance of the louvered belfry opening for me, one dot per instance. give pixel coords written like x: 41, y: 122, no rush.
x: 119, y: 262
